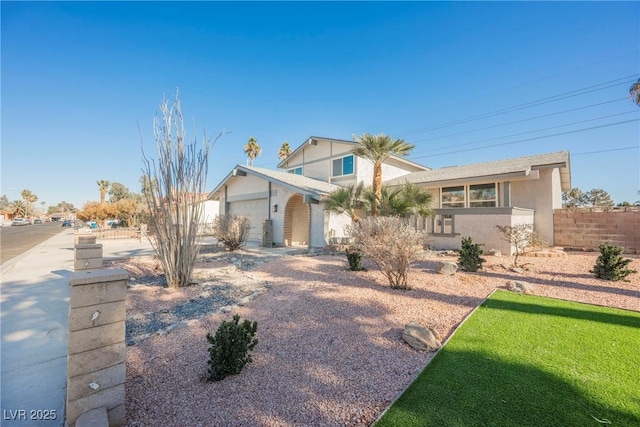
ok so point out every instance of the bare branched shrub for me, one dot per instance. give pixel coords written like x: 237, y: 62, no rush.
x: 391, y: 243
x: 232, y: 231
x: 521, y: 237
x: 179, y: 177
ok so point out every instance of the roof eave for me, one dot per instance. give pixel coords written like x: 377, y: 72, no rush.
x: 303, y: 190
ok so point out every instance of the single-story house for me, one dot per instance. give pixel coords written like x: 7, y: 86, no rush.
x: 286, y: 208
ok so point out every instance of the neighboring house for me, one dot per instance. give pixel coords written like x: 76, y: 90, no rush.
x: 210, y: 210
x: 5, y: 216
x: 468, y: 200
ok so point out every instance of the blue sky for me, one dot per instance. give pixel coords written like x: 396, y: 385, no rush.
x: 465, y: 82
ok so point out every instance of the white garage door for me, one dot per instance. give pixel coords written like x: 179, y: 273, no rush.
x: 256, y: 210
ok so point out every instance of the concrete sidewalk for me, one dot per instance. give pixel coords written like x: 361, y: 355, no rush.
x: 34, y: 307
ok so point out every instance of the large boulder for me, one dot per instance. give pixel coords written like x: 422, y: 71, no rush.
x: 447, y: 268
x: 420, y: 337
x: 520, y: 287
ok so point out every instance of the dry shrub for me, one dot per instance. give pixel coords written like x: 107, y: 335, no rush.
x: 391, y: 243
x: 521, y: 237
x: 232, y: 231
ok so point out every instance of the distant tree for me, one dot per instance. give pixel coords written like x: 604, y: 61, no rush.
x: 377, y: 149
x: 146, y: 185
x: 634, y: 92
x: 19, y: 208
x: 4, y: 202
x: 96, y: 211
x: 118, y: 191
x: 598, y: 198
x: 284, y: 151
x: 624, y: 204
x: 252, y: 150
x: 573, y: 198
x: 29, y: 199
x: 103, y: 186
x: 43, y: 204
x: 62, y: 207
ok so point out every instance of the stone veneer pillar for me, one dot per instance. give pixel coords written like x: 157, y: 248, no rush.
x: 96, y: 347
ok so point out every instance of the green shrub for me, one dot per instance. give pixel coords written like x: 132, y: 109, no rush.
x: 610, y: 265
x: 354, y: 256
x: 470, y: 255
x: 230, y: 347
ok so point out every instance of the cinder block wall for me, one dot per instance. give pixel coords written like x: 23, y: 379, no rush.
x: 96, y: 348
x: 588, y: 228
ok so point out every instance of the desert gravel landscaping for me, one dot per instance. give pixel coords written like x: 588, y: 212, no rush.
x: 330, y: 349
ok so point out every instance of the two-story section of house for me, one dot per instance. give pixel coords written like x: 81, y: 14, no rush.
x: 286, y: 205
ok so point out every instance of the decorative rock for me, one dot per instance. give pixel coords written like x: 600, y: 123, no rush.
x: 420, y: 337
x: 520, y: 287
x: 495, y: 252
x: 447, y: 268
x: 517, y: 270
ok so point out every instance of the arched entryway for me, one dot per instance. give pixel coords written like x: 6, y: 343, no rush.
x: 296, y: 221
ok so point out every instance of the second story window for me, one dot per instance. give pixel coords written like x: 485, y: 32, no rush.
x: 343, y: 166
x: 297, y: 171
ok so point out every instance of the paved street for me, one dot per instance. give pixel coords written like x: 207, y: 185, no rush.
x: 17, y: 240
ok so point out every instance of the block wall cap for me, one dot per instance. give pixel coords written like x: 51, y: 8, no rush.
x: 87, y: 277
x: 83, y: 245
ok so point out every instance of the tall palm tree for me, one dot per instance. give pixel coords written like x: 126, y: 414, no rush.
x: 252, y: 150
x: 284, y: 151
x: 103, y: 185
x: 377, y: 149
x: 634, y: 92
x: 345, y: 200
x: 29, y: 198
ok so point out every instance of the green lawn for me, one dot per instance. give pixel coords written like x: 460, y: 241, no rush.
x: 530, y: 361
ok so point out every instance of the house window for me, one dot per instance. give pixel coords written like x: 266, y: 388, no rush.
x: 296, y: 171
x: 343, y: 166
x: 453, y: 197
x: 443, y: 224
x: 471, y: 196
x: 483, y: 196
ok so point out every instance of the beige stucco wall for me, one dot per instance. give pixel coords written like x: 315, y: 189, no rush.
x: 335, y: 224
x: 316, y: 159
x: 317, y: 227
x: 482, y: 227
x: 246, y: 186
x: 543, y: 195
